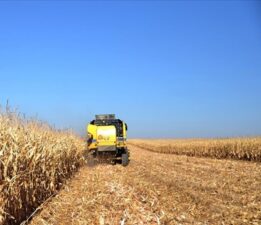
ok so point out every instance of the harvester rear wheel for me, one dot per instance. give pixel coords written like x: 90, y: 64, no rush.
x: 90, y: 160
x: 125, y: 159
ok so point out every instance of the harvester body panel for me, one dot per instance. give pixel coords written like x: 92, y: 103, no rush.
x: 92, y: 136
x: 106, y: 138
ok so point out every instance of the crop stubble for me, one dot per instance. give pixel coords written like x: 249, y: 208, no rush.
x: 160, y: 189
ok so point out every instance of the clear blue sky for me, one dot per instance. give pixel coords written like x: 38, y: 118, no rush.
x: 168, y: 68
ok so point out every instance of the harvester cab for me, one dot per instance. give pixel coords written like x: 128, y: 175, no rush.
x: 107, y: 140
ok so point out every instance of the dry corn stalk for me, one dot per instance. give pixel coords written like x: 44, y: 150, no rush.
x: 230, y: 148
x: 35, y: 160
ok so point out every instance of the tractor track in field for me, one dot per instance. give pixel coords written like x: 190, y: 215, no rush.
x: 159, y: 189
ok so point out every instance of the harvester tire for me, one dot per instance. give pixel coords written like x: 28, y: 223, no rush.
x: 125, y: 159
x: 90, y: 160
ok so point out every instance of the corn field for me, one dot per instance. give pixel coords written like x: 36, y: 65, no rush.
x: 231, y: 148
x: 35, y: 160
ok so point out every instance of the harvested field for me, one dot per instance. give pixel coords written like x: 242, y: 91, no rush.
x: 229, y: 148
x: 159, y: 189
x: 35, y: 160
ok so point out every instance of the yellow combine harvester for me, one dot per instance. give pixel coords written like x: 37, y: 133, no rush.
x: 107, y: 139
